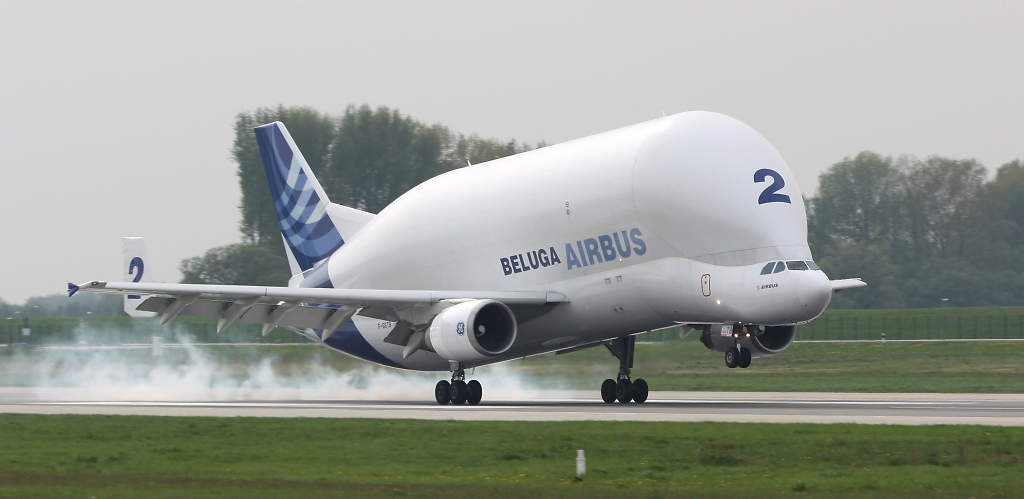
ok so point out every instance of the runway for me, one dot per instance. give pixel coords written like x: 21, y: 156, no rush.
x: 900, y: 409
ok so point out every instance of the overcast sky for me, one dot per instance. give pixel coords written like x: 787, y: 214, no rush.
x: 116, y: 118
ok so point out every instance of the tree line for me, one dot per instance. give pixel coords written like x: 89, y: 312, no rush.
x: 920, y: 231
x: 364, y: 158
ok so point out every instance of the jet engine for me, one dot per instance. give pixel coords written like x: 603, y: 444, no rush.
x: 761, y: 341
x: 472, y: 330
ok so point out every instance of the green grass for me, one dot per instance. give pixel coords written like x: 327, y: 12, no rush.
x: 126, y: 330
x: 974, y: 367
x: 971, y: 323
x: 967, y: 367
x: 121, y: 456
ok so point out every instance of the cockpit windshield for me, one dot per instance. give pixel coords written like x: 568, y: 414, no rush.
x: 776, y: 267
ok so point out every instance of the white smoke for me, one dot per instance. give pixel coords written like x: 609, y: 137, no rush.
x: 184, y: 371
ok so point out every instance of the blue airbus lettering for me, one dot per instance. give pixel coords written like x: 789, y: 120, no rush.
x: 581, y: 253
x: 605, y: 248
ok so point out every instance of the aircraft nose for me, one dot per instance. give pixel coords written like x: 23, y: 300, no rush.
x: 815, y: 291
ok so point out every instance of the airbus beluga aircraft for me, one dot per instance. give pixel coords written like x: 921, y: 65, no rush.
x: 692, y: 219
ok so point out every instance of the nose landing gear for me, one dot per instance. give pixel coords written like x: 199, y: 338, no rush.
x: 622, y: 388
x: 457, y: 391
x: 737, y: 357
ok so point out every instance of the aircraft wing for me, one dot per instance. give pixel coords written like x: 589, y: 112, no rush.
x: 317, y: 308
x: 841, y: 284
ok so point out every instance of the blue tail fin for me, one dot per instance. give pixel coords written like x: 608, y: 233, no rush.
x: 309, y: 233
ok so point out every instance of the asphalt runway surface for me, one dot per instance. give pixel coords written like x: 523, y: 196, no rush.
x: 541, y: 405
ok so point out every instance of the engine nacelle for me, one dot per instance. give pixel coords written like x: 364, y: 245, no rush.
x: 472, y: 330
x: 762, y: 342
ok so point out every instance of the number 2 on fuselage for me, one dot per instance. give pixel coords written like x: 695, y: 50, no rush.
x: 768, y: 195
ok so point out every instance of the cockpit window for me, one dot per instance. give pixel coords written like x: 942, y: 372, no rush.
x: 768, y: 268
x: 779, y: 267
x: 796, y: 265
x: 813, y: 266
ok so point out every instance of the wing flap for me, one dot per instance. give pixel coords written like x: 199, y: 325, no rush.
x: 299, y: 317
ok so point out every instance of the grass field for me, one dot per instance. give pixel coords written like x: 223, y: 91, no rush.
x: 105, y: 456
x: 976, y: 367
x: 929, y: 323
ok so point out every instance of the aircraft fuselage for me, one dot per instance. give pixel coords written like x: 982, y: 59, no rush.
x: 661, y: 223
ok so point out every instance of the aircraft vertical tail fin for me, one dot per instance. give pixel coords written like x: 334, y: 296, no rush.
x: 303, y: 210
x: 135, y: 270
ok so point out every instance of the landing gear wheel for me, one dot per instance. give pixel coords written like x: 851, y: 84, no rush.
x: 608, y: 391
x: 460, y: 392
x: 624, y: 391
x: 732, y: 358
x: 744, y: 359
x: 476, y: 392
x: 443, y: 392
x: 639, y: 391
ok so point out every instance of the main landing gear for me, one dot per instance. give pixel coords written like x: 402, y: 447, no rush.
x: 622, y: 389
x: 458, y: 391
x: 737, y: 357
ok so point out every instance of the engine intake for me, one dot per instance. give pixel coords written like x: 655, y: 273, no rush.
x: 761, y: 343
x: 472, y: 330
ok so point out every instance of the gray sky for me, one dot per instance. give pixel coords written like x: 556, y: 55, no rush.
x: 116, y: 118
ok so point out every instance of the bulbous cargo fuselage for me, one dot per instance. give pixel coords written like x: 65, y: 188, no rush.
x: 664, y: 222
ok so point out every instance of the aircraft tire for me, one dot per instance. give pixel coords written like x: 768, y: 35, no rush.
x: 624, y: 391
x: 732, y: 358
x: 744, y: 359
x: 640, y: 391
x: 460, y: 392
x: 608, y: 391
x: 475, y: 392
x: 443, y: 392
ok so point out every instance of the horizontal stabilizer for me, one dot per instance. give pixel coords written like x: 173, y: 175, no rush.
x: 842, y: 284
x: 347, y: 220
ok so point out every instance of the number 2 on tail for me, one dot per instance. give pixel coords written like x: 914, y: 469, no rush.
x: 136, y: 264
x: 768, y: 195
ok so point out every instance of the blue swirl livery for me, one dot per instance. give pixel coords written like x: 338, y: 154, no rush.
x: 301, y: 204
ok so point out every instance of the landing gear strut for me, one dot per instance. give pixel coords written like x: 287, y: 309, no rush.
x: 621, y: 388
x: 457, y: 391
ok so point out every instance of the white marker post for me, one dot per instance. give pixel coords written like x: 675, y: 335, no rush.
x: 581, y: 464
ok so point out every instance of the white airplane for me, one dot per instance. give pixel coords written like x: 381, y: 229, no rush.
x: 692, y: 219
